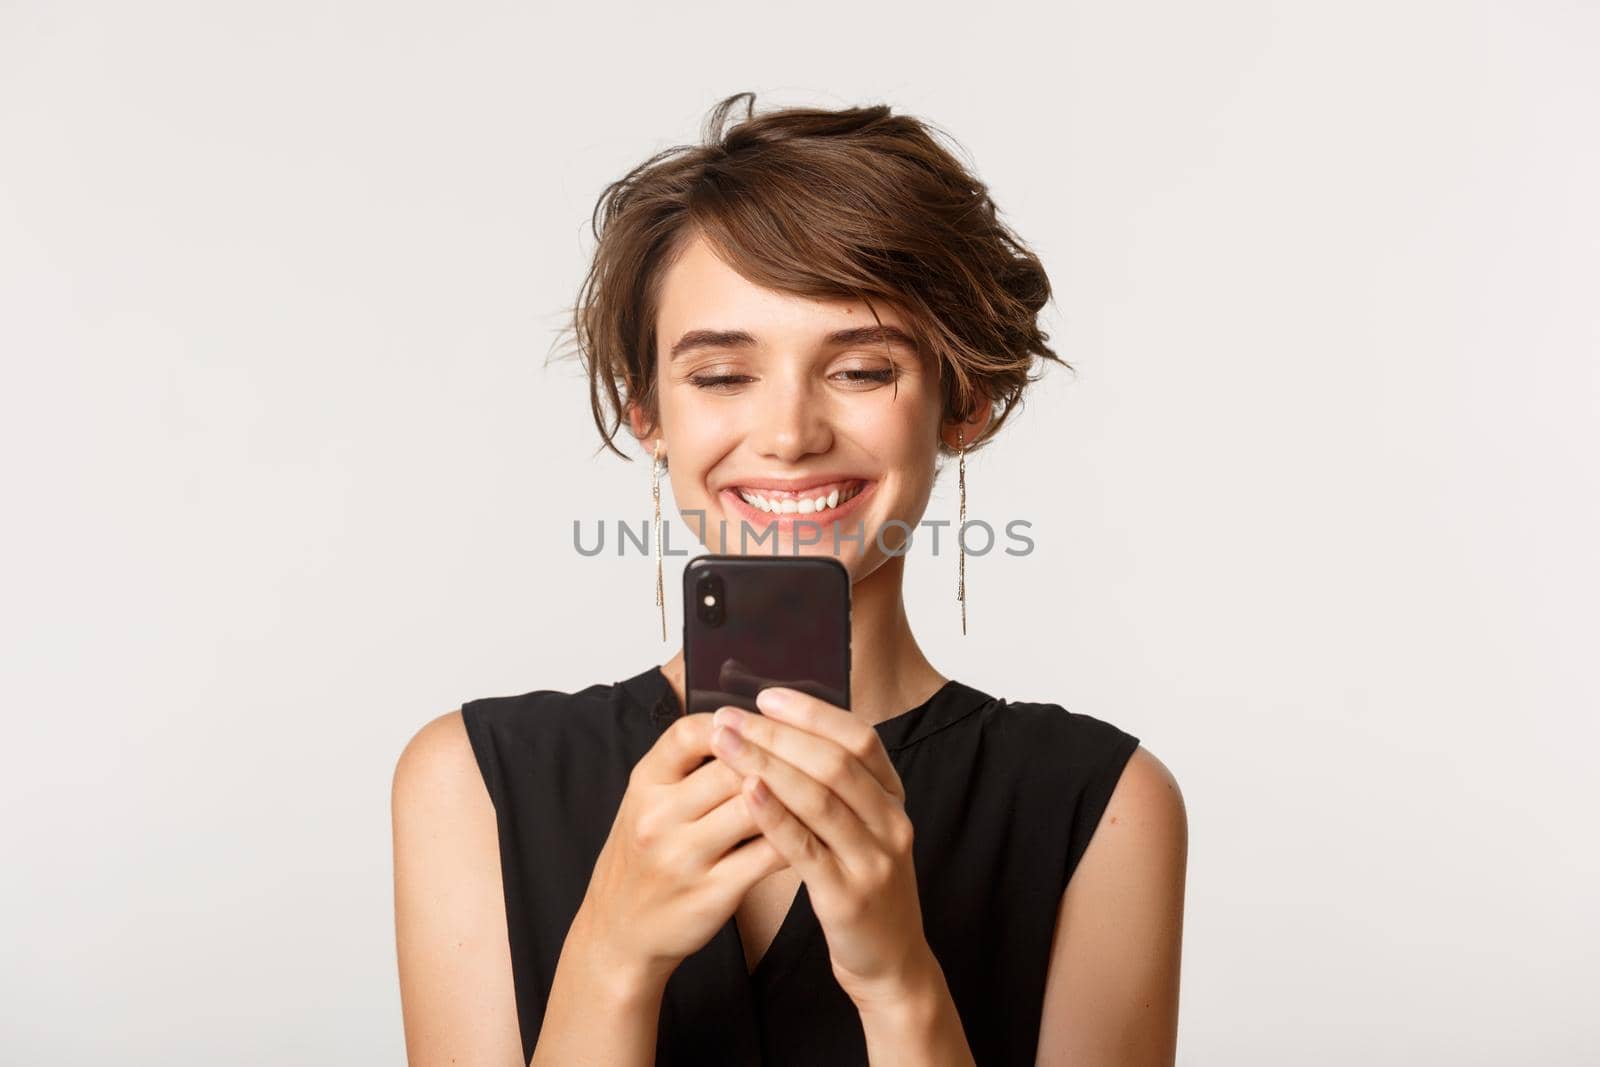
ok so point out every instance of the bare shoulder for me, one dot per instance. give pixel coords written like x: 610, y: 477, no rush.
x: 1133, y: 870
x: 1148, y: 804
x: 456, y: 986
x: 438, y: 756
x: 1111, y: 995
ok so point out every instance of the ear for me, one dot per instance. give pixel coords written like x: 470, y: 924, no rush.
x: 647, y: 433
x: 953, y: 432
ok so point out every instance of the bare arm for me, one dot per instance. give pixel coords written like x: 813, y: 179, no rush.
x: 921, y: 1027
x: 1111, y: 997
x: 456, y: 988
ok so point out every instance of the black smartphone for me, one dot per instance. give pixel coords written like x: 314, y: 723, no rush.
x: 750, y: 622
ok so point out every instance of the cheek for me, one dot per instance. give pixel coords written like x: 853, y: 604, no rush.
x: 699, y: 437
x: 902, y: 433
x: 905, y: 452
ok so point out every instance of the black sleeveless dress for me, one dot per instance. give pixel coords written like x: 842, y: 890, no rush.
x: 1003, y: 799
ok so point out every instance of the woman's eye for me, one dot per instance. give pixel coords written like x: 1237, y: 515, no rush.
x: 717, y: 381
x: 862, y: 375
x: 853, y: 376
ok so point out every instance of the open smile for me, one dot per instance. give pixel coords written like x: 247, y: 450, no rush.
x: 764, y: 505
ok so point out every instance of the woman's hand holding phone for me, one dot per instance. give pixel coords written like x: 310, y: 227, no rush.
x: 834, y: 807
x: 665, y: 880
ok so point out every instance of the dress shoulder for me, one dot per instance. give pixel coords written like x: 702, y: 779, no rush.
x: 549, y: 732
x: 556, y: 765
x: 1073, y: 740
x: 1077, y: 757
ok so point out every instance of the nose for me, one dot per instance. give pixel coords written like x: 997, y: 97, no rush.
x: 791, y: 423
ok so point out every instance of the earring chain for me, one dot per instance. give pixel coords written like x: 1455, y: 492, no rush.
x: 655, y: 535
x: 961, y: 546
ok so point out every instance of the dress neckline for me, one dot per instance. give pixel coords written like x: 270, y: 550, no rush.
x: 948, y: 704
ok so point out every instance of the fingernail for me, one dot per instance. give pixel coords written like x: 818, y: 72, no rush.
x: 758, y: 792
x: 728, y: 717
x: 727, y: 740
x: 774, y: 698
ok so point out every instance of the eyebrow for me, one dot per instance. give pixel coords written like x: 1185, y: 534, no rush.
x: 855, y: 335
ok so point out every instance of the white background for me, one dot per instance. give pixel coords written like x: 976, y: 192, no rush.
x: 286, y: 476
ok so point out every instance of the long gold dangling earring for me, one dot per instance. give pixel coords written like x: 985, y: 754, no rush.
x: 961, y: 546
x: 655, y: 534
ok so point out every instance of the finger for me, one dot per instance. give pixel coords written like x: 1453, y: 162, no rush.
x: 793, y: 840
x: 681, y: 748
x: 823, y: 813
x: 721, y: 828
x: 819, y: 717
x: 705, y: 787
x: 826, y: 761
x: 748, y: 864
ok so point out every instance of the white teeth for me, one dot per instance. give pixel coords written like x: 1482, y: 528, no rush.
x: 802, y: 506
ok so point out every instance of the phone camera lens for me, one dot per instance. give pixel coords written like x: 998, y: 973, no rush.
x: 709, y: 600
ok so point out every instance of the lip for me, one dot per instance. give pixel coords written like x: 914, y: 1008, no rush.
x: 759, y: 519
x: 797, y: 485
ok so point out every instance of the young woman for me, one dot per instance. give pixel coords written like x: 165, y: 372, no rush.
x: 814, y: 307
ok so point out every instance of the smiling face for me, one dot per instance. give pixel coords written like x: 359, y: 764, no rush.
x: 798, y: 417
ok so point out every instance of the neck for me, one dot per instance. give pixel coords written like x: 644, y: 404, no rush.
x: 888, y: 672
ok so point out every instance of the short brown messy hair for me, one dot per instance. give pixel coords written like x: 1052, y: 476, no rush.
x: 857, y: 202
